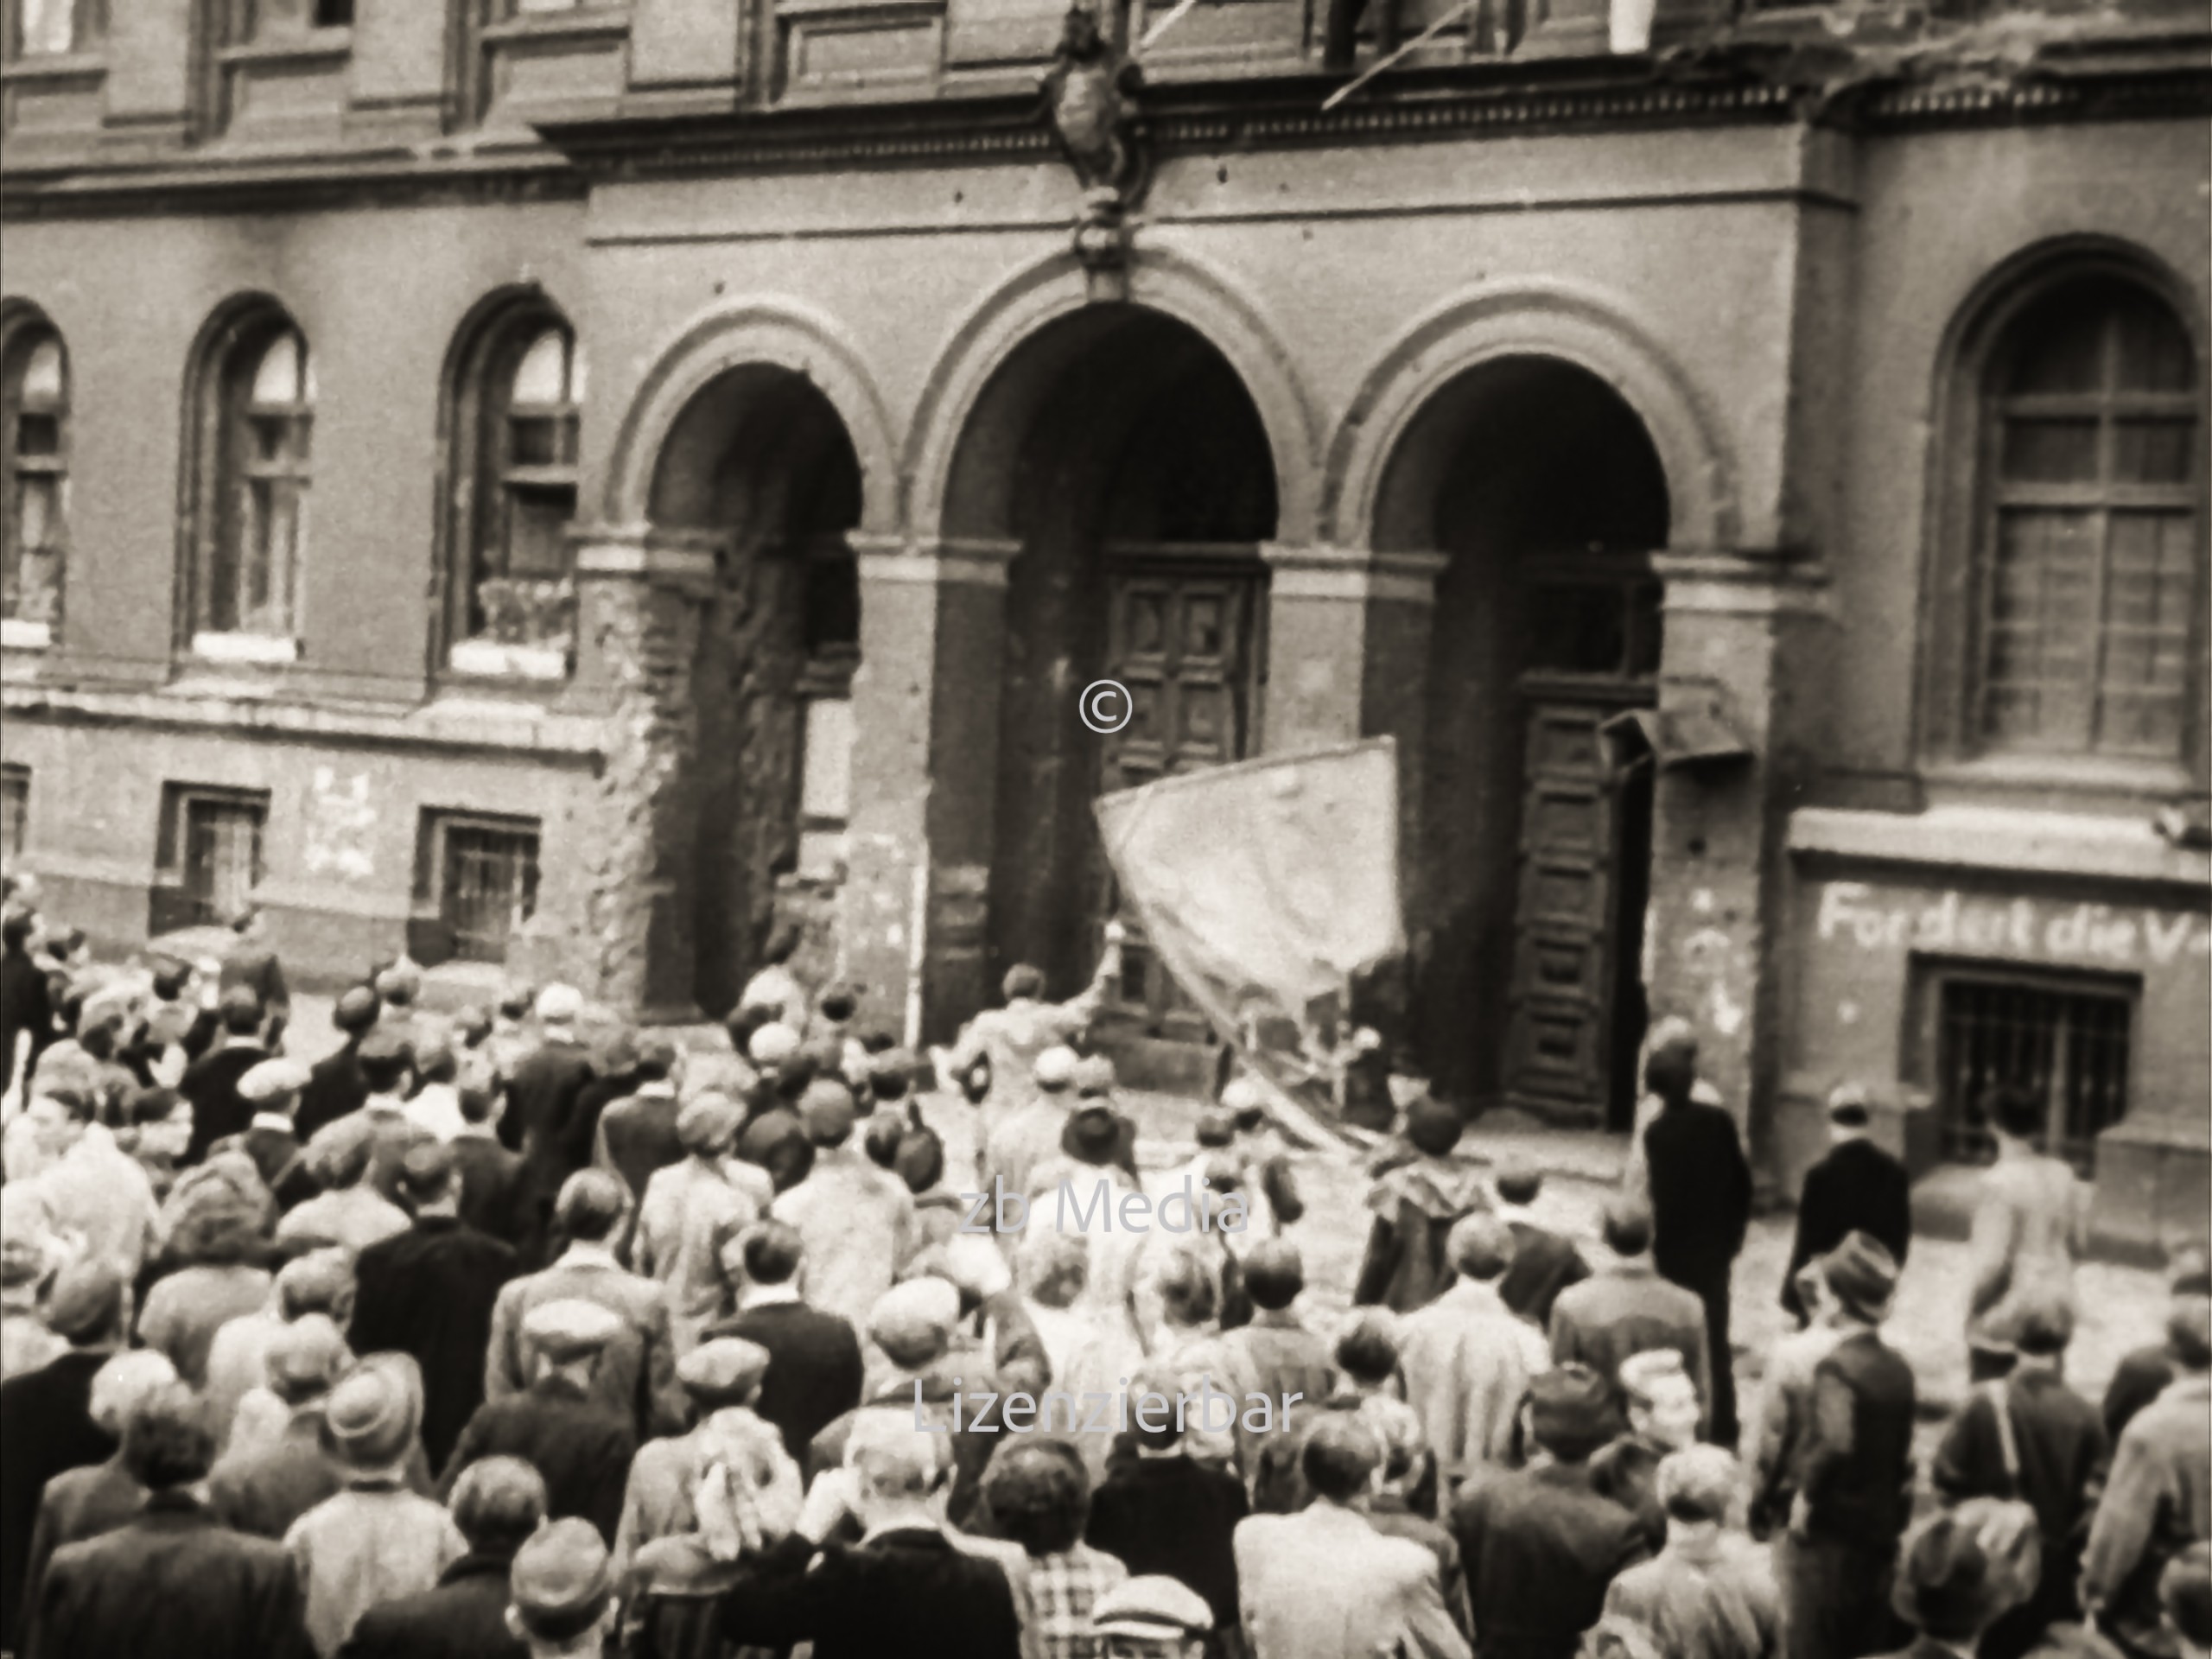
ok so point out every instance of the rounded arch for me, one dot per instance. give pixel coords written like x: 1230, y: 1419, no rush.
x: 1534, y: 320
x: 764, y: 333
x: 1054, y: 289
x: 1957, y: 686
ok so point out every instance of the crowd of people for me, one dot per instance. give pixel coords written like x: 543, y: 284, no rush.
x: 493, y: 1334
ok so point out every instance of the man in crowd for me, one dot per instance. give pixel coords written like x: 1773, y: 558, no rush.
x: 429, y: 1293
x: 540, y: 1121
x: 252, y: 962
x: 262, y: 1486
x: 1700, y: 1207
x: 815, y: 1371
x: 272, y: 1136
x: 637, y: 1131
x: 335, y: 1086
x: 855, y: 1221
x: 1468, y: 1358
x: 1626, y: 1309
x: 211, y: 1083
x: 1545, y: 1260
x: 497, y: 1505
x: 1857, y: 1188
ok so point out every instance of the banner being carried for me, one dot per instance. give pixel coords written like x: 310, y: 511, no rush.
x: 1264, y: 887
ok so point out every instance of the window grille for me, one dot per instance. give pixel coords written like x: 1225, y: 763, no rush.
x: 2068, y: 1040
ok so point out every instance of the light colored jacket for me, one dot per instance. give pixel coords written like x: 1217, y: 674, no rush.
x: 636, y: 1374
x: 857, y: 1224
x: 2030, y: 1225
x: 683, y: 1207
x: 1468, y: 1359
x: 1322, y: 1583
x: 369, y: 1543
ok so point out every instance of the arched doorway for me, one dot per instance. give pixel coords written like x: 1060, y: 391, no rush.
x: 1543, y: 489
x: 1120, y: 450
x: 760, y: 458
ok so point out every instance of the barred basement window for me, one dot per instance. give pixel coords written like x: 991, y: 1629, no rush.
x: 481, y: 874
x: 2067, y: 1038
x: 15, y: 809
x: 209, y: 854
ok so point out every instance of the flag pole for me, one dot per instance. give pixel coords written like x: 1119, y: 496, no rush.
x: 1376, y: 68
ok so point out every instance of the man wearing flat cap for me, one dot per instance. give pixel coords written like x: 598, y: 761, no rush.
x: 1029, y: 1134
x: 387, y: 1062
x: 857, y: 1221
x: 46, y: 1416
x: 561, y: 1592
x: 1152, y: 1617
x: 430, y: 1292
x: 263, y: 1486
x: 1541, y: 1544
x: 498, y: 1504
x: 705, y: 1195
x: 579, y: 1443
x: 1854, y: 1470
x: 636, y: 1374
x: 272, y: 1138
x: 211, y: 1083
x: 376, y: 1539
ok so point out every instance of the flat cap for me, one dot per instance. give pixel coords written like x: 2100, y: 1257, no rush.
x: 559, y: 1004
x: 386, y: 1042
x: 562, y: 1573
x: 1152, y: 1605
x: 239, y: 1002
x: 401, y: 983
x: 826, y: 1111
x: 727, y: 1368
x: 708, y: 1123
x: 306, y: 1357
x: 357, y: 1009
x: 86, y: 1298
x: 570, y: 1328
x: 1056, y: 1067
x: 772, y: 1045
x: 914, y: 1321
x: 1571, y: 1410
x: 426, y: 1167
x: 273, y: 1080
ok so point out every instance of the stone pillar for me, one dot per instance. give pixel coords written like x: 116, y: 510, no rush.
x: 1348, y: 632
x: 640, y: 595
x: 926, y: 713
x: 1748, y: 637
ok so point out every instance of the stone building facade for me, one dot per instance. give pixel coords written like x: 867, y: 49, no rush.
x: 570, y: 488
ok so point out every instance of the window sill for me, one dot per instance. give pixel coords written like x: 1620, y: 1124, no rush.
x: 578, y: 23
x: 244, y: 648
x: 2062, y: 774
x: 486, y: 660
x: 25, y: 636
x: 2022, y: 841
x: 59, y: 65
x: 311, y: 46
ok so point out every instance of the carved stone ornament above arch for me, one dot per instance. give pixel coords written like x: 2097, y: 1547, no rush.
x: 761, y: 332
x: 1166, y: 280
x: 1552, y: 319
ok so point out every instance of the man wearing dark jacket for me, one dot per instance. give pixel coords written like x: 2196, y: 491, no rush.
x: 498, y: 1505
x: 252, y: 962
x: 2143, y: 1373
x: 430, y: 1292
x: 46, y: 1416
x: 1854, y: 1472
x: 335, y: 1086
x: 1539, y: 1544
x: 540, y: 1123
x: 175, y: 1583
x: 815, y: 1370
x: 1165, y: 1512
x: 1545, y: 1263
x: 1701, y: 1209
x: 25, y: 1002
x: 905, y: 1589
x: 211, y: 1083
x: 1857, y: 1188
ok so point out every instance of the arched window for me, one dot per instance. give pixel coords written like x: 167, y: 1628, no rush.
x: 511, y: 608
x: 33, y: 480
x: 250, y: 524
x: 2089, y: 567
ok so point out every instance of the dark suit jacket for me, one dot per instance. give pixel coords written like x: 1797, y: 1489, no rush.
x: 491, y: 1187
x: 1544, y: 1264
x: 1175, y: 1516
x: 46, y: 1427
x: 1855, y: 1467
x: 253, y: 964
x: 80, y: 1503
x: 1701, y: 1192
x: 540, y: 1119
x: 335, y: 1087
x: 1857, y: 1187
x: 1540, y: 1548
x: 211, y: 1084
x: 597, y: 1094
x: 174, y: 1584
x: 912, y: 1593
x: 429, y: 1292
x: 580, y: 1446
x: 640, y: 1131
x: 815, y: 1371
x: 465, y: 1618
x: 26, y: 1004
x: 2141, y: 1378
x: 276, y: 1153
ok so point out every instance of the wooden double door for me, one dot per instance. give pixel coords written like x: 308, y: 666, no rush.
x: 1186, y: 635
x: 1591, y: 649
